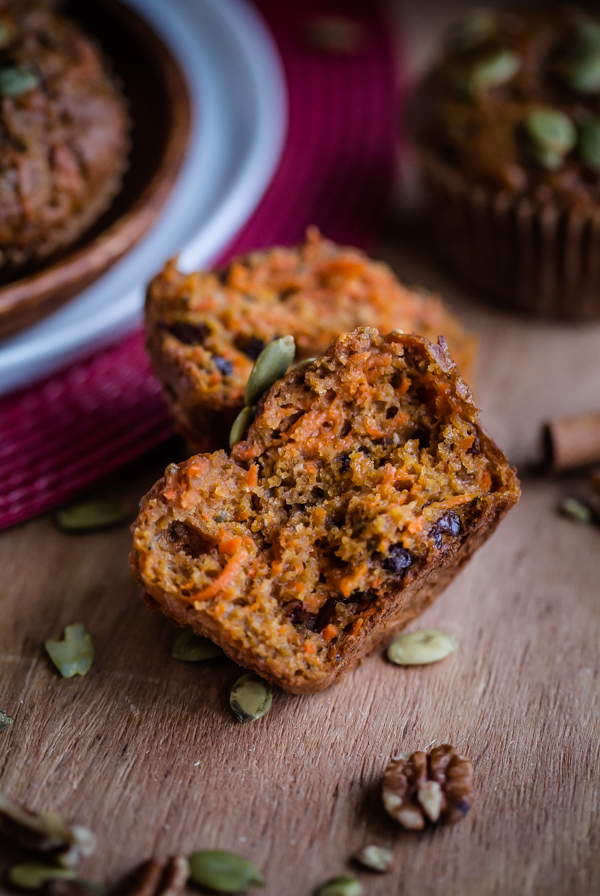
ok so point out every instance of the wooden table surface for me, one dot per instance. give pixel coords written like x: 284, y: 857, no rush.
x: 145, y: 751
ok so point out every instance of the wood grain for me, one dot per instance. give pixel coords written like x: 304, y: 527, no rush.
x: 146, y: 752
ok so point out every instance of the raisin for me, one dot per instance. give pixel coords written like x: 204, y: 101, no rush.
x: 448, y: 524
x: 344, y: 461
x: 252, y: 347
x: 299, y: 616
x: 397, y: 559
x: 188, y: 333
x: 224, y: 366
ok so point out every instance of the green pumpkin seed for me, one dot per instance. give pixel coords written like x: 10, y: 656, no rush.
x: 86, y: 516
x: 74, y: 655
x: 192, y: 648
x: 375, y: 858
x: 588, y: 144
x: 223, y: 872
x: 251, y: 697
x: 472, y: 30
x: 241, y: 425
x: 345, y: 885
x: 14, y: 81
x: 5, y: 720
x: 574, y: 509
x: 587, y: 35
x: 420, y: 648
x: 303, y: 363
x: 551, y: 129
x: 551, y: 136
x: 492, y: 71
x: 33, y: 875
x: 270, y: 366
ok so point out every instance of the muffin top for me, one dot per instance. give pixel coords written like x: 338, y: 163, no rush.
x: 514, y: 104
x: 63, y: 131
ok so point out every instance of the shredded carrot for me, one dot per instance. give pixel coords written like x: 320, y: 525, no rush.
x: 170, y: 494
x: 486, y: 480
x: 350, y: 583
x: 252, y: 478
x: 229, y: 544
x: 309, y: 648
x: 358, y: 624
x: 222, y: 580
x: 329, y: 633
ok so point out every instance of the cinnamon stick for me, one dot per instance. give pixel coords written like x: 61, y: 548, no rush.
x: 572, y: 442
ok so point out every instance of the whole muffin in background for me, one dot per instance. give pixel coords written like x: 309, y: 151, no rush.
x: 508, y: 127
x: 64, y: 131
x: 206, y: 329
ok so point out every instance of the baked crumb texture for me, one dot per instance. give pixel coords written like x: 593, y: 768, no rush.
x: 206, y: 329
x: 363, y: 486
x: 65, y: 141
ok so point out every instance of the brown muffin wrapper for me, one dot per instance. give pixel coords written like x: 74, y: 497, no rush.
x: 540, y: 261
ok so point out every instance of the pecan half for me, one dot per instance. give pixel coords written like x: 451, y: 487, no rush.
x: 423, y: 788
x: 154, y: 878
x: 46, y: 832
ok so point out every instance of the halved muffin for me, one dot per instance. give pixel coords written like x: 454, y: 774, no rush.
x: 364, y: 484
x: 206, y: 329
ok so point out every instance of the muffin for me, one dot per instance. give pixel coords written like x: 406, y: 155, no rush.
x: 363, y: 486
x: 64, y: 126
x: 205, y: 330
x: 508, y: 128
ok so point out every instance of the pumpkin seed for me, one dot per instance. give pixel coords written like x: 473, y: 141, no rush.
x: 5, y: 720
x: 33, y: 875
x: 14, y: 81
x: 303, y: 363
x: 192, y: 648
x: 74, y: 655
x: 241, y: 424
x: 375, y: 858
x: 492, y: 71
x: 345, y: 885
x: 581, y: 67
x: 251, y: 697
x: 270, y: 366
x: 223, y: 872
x: 420, y: 648
x: 472, y: 30
x: 549, y: 129
x: 576, y: 510
x: 583, y: 74
x: 587, y: 35
x: 588, y: 144
x: 97, y: 513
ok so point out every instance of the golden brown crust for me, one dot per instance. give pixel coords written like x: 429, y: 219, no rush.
x: 336, y: 522
x: 205, y: 330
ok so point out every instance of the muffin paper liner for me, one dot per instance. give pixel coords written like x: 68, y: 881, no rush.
x: 538, y: 260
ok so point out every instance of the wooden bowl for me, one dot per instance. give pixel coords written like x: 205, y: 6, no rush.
x: 160, y: 109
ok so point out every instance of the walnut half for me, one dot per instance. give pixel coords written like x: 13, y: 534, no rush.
x: 423, y: 788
